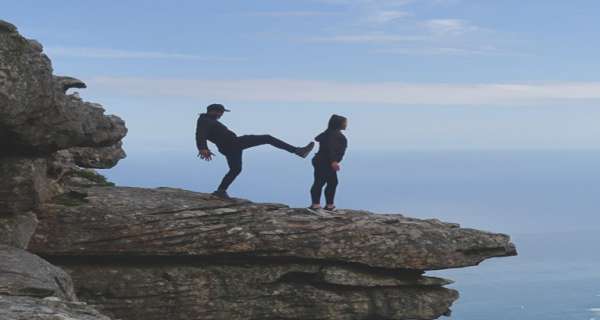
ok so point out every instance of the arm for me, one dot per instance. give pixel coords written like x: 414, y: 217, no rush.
x: 337, y: 147
x: 338, y: 144
x: 202, y: 130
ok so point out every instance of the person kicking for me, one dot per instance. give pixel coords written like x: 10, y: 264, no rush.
x: 231, y: 146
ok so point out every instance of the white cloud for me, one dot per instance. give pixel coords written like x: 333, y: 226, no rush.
x: 447, y: 51
x: 449, y: 26
x: 292, y: 13
x: 386, y: 16
x: 104, y: 53
x: 365, y: 38
x: 313, y: 91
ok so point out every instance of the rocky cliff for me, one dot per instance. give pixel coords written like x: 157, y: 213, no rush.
x: 166, y: 253
x: 43, y: 130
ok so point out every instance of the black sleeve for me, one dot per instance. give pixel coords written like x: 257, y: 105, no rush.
x: 337, y: 147
x: 202, y: 129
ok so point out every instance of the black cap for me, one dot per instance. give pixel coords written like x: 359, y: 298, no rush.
x: 216, y: 107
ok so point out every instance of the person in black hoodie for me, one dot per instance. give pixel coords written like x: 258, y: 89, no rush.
x: 332, y: 147
x: 231, y: 146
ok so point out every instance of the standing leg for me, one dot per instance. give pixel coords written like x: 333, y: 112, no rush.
x: 234, y: 160
x: 332, y: 182
x: 249, y: 141
x: 317, y: 187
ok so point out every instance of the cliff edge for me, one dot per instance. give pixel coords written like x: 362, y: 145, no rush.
x: 98, y: 251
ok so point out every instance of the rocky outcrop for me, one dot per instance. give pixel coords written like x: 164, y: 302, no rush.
x: 38, y: 123
x: 171, y: 222
x: 173, y: 254
x: 36, y: 115
x: 155, y: 253
x: 98, y: 158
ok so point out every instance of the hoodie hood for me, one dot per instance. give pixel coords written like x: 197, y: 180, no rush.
x: 335, y: 124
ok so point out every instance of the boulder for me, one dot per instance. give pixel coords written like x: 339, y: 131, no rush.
x: 25, y: 274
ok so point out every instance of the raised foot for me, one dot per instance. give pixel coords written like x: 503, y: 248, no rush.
x: 304, y: 151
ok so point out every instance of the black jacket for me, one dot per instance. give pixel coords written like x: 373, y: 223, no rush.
x: 208, y: 128
x: 332, y: 142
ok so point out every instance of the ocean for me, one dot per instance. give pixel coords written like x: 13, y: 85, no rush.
x: 547, y: 200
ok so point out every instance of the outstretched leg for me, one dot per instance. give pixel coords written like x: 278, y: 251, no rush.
x: 250, y: 141
x: 234, y: 160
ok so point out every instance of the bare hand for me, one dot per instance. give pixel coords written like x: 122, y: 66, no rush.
x: 205, y: 154
x: 335, y: 166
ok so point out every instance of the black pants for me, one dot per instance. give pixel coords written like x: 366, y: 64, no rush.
x: 234, y: 154
x: 324, y: 174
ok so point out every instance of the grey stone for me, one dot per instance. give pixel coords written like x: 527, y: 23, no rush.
x: 36, y: 116
x: 170, y: 253
x: 216, y: 290
x: 99, y: 157
x: 25, y: 274
x: 67, y: 83
x: 17, y: 229
x: 164, y: 222
x: 28, y: 308
x: 7, y: 26
x: 24, y: 184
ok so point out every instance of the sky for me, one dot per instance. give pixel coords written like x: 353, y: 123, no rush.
x: 409, y: 74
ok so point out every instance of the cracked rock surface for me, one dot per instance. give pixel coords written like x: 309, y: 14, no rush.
x: 151, y: 253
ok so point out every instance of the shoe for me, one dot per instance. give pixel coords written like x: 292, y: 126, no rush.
x: 304, y: 151
x: 330, y: 209
x: 221, y: 194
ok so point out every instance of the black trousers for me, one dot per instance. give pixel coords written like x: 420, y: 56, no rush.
x: 324, y: 175
x: 234, y: 154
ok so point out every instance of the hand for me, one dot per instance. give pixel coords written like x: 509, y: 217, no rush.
x: 205, y: 154
x: 335, y: 166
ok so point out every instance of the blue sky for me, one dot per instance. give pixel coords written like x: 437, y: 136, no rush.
x: 430, y: 74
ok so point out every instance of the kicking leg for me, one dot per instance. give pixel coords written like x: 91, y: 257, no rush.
x: 250, y: 141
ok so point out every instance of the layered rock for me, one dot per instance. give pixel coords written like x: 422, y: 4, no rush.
x: 36, y: 114
x: 27, y: 308
x: 37, y: 120
x: 156, y: 253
